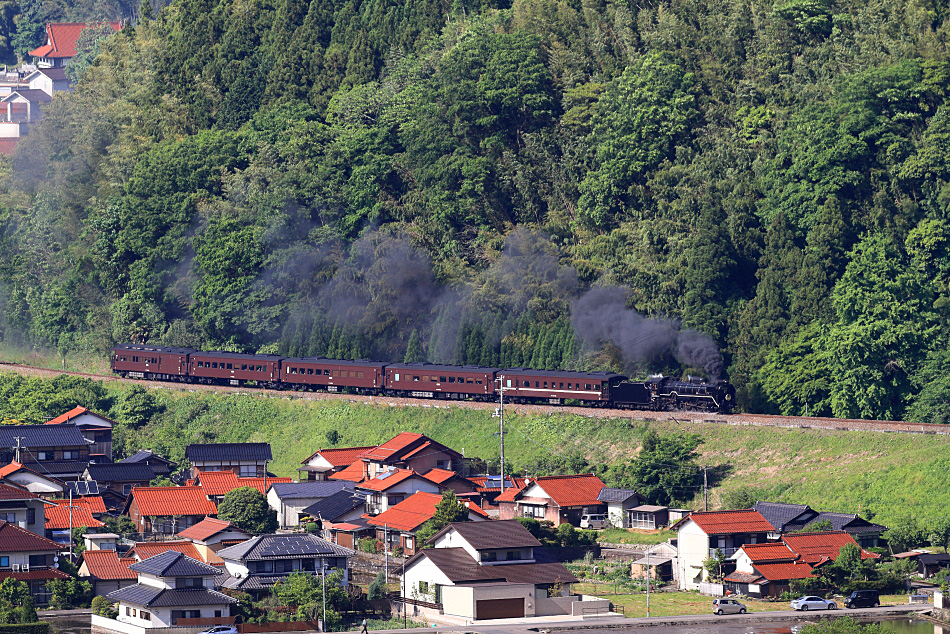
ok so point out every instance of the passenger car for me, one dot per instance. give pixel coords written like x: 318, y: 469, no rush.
x: 220, y: 629
x: 863, y: 599
x: 813, y: 603
x: 597, y: 521
x: 728, y: 606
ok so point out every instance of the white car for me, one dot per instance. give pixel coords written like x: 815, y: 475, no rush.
x: 813, y: 603
x: 595, y: 521
x: 220, y: 629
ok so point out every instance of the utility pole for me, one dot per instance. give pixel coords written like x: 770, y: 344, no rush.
x: 18, y: 439
x: 70, y: 525
x: 705, y: 491
x: 386, y: 550
x: 648, y: 586
x: 500, y: 415
x: 323, y: 569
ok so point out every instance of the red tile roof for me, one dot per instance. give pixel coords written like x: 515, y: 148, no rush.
x: 726, y: 522
x: 76, y: 411
x: 510, y: 481
x: 391, y: 446
x: 11, y: 492
x: 144, y: 550
x: 34, y: 575
x: 342, y: 457
x: 221, y: 482
x: 162, y: 501
x: 93, y: 503
x: 61, y: 38
x: 208, y: 527
x: 14, y: 539
x: 439, y: 475
x: 510, y: 494
x: 772, y: 551
x: 571, y: 490
x: 816, y: 547
x: 353, y: 473
x: 106, y: 564
x: 786, y: 570
x: 58, y: 517
x: 415, y: 511
x: 388, y: 481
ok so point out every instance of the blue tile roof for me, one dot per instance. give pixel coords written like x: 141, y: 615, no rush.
x: 336, y: 505
x: 174, y: 564
x: 40, y: 436
x: 147, y: 596
x: 323, y: 489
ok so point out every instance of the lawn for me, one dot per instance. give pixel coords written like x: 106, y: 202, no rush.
x: 633, y: 536
x: 669, y: 603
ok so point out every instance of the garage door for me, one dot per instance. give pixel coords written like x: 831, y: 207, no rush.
x: 499, y: 608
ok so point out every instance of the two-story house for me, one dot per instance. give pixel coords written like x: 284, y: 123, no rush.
x: 34, y: 481
x: 120, y: 477
x: 30, y: 558
x: 245, y: 459
x: 212, y: 534
x: 326, y: 462
x: 96, y: 428
x: 341, y: 517
x: 162, y: 467
x: 170, y: 587
x: 389, y: 488
x: 290, y: 499
x: 792, y: 518
x: 217, y: 484
x: 398, y: 525
x: 64, y: 516
x: 258, y: 563
x: 700, y: 535
x: 23, y: 508
x: 106, y: 571
x: 60, y: 46
x: 415, y: 452
x: 559, y: 499
x: 60, y: 451
x: 167, y: 509
x: 489, y: 570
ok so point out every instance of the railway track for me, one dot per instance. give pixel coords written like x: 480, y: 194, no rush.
x: 757, y: 420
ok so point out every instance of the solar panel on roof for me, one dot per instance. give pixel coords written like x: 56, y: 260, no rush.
x: 84, y: 487
x: 385, y: 475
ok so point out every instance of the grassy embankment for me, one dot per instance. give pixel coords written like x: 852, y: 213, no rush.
x: 890, y: 475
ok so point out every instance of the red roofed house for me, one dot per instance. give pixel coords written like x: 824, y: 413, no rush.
x: 217, y: 484
x: 167, y: 509
x: 95, y: 428
x: 23, y: 508
x: 390, y: 488
x: 143, y: 550
x: 326, y: 462
x: 451, y: 480
x: 700, y: 535
x: 211, y: 534
x: 63, y: 517
x: 560, y: 499
x: 767, y: 569
x: 60, y: 46
x: 399, y: 524
x: 33, y: 480
x: 29, y: 558
x: 107, y: 571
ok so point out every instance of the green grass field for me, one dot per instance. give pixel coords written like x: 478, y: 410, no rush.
x: 633, y: 536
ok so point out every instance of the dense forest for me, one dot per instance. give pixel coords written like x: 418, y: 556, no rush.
x: 740, y: 188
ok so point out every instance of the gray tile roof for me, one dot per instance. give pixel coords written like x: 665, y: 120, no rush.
x: 253, y: 582
x: 57, y: 468
x: 283, y: 547
x: 41, y: 436
x: 608, y: 494
x: 497, y: 534
x: 144, y: 455
x: 174, y: 564
x: 323, y: 489
x: 256, y: 451
x: 848, y: 522
x: 779, y: 514
x: 338, y: 504
x: 148, y: 596
x: 121, y: 472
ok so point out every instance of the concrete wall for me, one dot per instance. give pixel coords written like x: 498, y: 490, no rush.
x: 103, y: 625
x: 554, y: 606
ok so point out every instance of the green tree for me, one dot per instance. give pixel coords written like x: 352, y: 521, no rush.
x: 844, y: 625
x: 103, y: 607
x: 69, y: 593
x: 304, y: 592
x: 905, y: 534
x: 414, y: 349
x: 447, y: 511
x: 88, y: 45
x: 378, y: 588
x: 664, y: 471
x: 247, y: 508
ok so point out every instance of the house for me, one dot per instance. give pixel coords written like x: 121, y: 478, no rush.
x: 326, y: 462
x: 167, y: 509
x: 767, y: 569
x: 256, y: 565
x: 701, y: 534
x: 489, y: 570
x: 415, y: 452
x: 23, y: 508
x: 211, y: 534
x: 618, y: 502
x: 101, y: 541
x: 452, y: 481
x: 217, y: 484
x: 398, y: 525
x: 50, y: 80
x: 559, y: 499
x: 30, y: 558
x: 660, y: 562
x: 146, y: 550
x: 60, y: 46
x: 107, y: 571
x: 341, y: 517
x: 245, y: 459
x: 170, y: 587
x: 790, y: 518
x: 63, y: 517
x: 60, y: 451
x: 96, y: 428
x: 389, y: 488
x: 34, y: 481
x: 928, y: 563
x: 162, y: 467
x: 290, y: 499
x: 647, y: 517
x: 120, y: 477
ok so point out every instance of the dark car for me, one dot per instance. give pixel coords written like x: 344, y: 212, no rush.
x: 863, y: 599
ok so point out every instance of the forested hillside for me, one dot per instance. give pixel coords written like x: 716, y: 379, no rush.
x: 747, y: 189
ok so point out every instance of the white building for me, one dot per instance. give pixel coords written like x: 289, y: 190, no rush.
x: 290, y: 499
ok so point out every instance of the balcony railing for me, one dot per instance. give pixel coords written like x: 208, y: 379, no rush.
x: 728, y: 552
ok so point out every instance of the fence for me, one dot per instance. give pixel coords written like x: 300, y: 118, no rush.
x: 712, y: 589
x: 207, y: 620
x: 289, y: 626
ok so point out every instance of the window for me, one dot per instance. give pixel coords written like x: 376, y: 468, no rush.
x: 451, y: 379
x: 587, y: 386
x: 8, y: 517
x: 327, y: 373
x: 409, y: 542
x: 248, y: 470
x: 532, y: 510
x: 71, y: 455
x: 545, y: 384
x: 145, y: 616
x: 309, y: 370
x: 526, y: 384
x: 393, y: 500
x: 537, y: 384
x: 359, y: 375
x: 37, y: 560
x: 265, y: 566
x: 128, y: 611
x: 308, y: 565
x: 134, y: 612
x: 415, y: 378
x: 441, y: 379
x: 513, y: 555
x: 214, y: 364
x: 244, y: 366
x: 31, y: 516
x: 442, y: 464
x: 229, y: 366
x: 126, y: 489
x: 4, y: 562
x: 44, y: 455
x: 189, y: 582
x: 135, y: 359
x: 397, y: 376
x: 491, y: 555
x: 423, y: 587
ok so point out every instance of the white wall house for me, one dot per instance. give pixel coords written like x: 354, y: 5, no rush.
x: 391, y: 487
x: 700, y: 535
x: 291, y: 498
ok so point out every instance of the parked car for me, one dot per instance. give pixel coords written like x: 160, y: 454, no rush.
x: 596, y: 521
x: 220, y: 629
x: 863, y: 599
x: 728, y: 606
x: 813, y: 603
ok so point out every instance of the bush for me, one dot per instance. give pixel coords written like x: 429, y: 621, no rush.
x: 567, y: 535
x: 40, y: 627
x: 312, y: 527
x: 397, y: 551
x: 377, y: 589
x: 368, y: 545
x: 103, y: 607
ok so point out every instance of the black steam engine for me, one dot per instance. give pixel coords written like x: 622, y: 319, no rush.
x: 420, y: 380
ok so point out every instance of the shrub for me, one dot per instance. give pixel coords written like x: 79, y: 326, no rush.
x: 103, y: 607
x: 377, y: 589
x: 367, y: 545
x: 312, y: 527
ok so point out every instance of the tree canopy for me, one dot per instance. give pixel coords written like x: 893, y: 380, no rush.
x: 247, y: 508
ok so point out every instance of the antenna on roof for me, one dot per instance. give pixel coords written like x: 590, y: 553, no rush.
x: 18, y: 439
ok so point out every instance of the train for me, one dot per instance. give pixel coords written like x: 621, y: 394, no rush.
x: 421, y: 380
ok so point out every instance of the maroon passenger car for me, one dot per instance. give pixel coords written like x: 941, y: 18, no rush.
x: 429, y: 380
x: 554, y: 386
x: 232, y: 368
x: 142, y: 361
x: 365, y: 377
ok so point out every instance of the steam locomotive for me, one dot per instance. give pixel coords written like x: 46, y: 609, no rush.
x: 420, y: 380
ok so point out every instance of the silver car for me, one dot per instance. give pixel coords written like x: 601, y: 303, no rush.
x: 813, y: 603
x: 728, y: 606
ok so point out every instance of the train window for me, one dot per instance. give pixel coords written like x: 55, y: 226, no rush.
x: 214, y: 364
x: 244, y: 366
x: 258, y: 368
x: 415, y: 378
x: 326, y: 373
x: 397, y: 376
x: 545, y: 384
x: 469, y: 381
x: 451, y: 379
x: 537, y: 384
x: 526, y: 384
x: 461, y: 379
x: 442, y: 379
x: 568, y: 386
x: 309, y: 370
x: 479, y: 382
x: 359, y: 375
x: 560, y: 386
x: 587, y: 386
x: 135, y: 359
x: 229, y: 367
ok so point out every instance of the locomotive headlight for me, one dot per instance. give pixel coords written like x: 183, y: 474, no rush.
x: 728, y: 397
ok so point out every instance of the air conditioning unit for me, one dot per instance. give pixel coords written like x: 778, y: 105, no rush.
x: 25, y: 567
x: 16, y: 567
